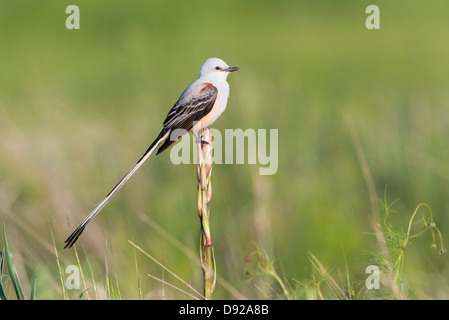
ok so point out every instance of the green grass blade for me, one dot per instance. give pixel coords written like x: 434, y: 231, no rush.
x: 60, y: 273
x: 81, y: 272
x: 12, y: 269
x: 2, y: 289
x: 92, y: 277
x: 33, y: 290
x: 119, y: 296
x: 139, y: 288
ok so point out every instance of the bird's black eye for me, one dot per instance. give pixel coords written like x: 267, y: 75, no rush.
x: 217, y: 68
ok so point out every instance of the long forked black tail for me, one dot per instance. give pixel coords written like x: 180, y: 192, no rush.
x: 75, y: 235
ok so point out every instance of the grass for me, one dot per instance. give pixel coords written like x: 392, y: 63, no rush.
x: 77, y: 109
x: 6, y: 255
x: 322, y: 285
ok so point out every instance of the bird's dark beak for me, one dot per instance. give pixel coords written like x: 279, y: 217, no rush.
x: 232, y: 69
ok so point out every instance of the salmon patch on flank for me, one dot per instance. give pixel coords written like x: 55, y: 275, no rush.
x: 207, y: 84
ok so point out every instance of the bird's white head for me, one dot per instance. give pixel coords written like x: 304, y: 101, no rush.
x: 216, y: 68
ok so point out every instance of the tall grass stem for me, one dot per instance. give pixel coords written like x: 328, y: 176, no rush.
x: 204, y: 173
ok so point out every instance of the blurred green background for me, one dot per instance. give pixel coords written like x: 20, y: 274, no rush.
x: 79, y: 107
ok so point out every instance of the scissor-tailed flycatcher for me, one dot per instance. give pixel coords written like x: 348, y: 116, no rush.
x: 197, y: 108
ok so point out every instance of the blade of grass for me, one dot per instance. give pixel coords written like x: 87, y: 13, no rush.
x: 92, y: 276
x: 333, y: 286
x: 61, y: 277
x: 189, y: 253
x: 81, y: 272
x: 139, y: 289
x: 2, y: 289
x: 173, y: 286
x: 107, y: 286
x: 165, y: 268
x: 348, y: 282
x: 374, y: 217
x: 33, y: 290
x: 12, y: 269
x: 119, y: 296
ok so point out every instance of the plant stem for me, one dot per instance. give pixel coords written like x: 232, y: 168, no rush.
x: 204, y: 173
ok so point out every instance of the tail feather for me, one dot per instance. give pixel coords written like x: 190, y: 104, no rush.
x: 75, y: 235
x: 166, y: 144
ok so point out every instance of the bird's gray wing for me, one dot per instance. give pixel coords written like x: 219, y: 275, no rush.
x: 186, y: 113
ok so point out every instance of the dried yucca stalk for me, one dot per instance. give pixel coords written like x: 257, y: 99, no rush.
x: 204, y: 172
